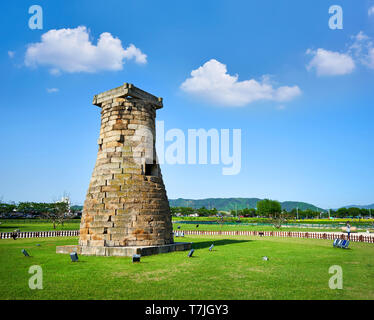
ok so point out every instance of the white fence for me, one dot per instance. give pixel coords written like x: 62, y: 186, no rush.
x: 40, y: 234
x: 291, y: 234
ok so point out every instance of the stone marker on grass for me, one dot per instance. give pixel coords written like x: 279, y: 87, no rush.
x: 74, y: 257
x: 136, y: 258
x: 25, y: 253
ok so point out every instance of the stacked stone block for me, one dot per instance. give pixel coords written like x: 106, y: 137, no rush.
x: 126, y: 203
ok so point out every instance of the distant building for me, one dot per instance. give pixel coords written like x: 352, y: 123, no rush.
x: 194, y: 215
x: 66, y: 200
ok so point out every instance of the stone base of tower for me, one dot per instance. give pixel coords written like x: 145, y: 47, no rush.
x: 124, y: 251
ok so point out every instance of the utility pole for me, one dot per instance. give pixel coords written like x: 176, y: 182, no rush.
x: 329, y: 214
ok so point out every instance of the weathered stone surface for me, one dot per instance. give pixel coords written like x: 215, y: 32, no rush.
x: 126, y: 202
x: 116, y: 96
x: 124, y: 251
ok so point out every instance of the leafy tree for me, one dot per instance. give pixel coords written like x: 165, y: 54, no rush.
x: 278, y: 220
x: 57, y: 212
x: 342, y: 213
x: 248, y: 212
x: 33, y: 208
x: 354, y: 212
x: 6, y: 208
x: 365, y: 212
x: 273, y: 210
x: 268, y: 208
x: 203, y: 212
x: 185, y: 211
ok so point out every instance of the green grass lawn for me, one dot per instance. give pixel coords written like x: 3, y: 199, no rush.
x: 36, y: 225
x: 297, y: 269
x: 238, y: 227
x: 40, y: 225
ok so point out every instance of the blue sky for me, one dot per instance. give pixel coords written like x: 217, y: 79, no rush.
x: 315, y: 144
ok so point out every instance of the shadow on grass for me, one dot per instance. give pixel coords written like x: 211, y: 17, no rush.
x: 223, y: 242
x: 6, y: 228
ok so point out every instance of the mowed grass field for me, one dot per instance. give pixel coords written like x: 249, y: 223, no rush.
x: 36, y: 225
x: 239, y: 227
x: 296, y: 269
x: 40, y: 225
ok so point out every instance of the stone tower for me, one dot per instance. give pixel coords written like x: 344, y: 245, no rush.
x: 126, y: 203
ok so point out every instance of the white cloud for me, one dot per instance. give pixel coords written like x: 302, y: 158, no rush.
x: 133, y: 52
x: 363, y: 49
x: 71, y: 50
x: 52, y: 90
x: 211, y: 82
x: 330, y: 63
x: 371, y: 11
x: 11, y: 54
x: 361, y: 36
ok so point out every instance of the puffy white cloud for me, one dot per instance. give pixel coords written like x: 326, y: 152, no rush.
x: 133, y: 52
x: 371, y: 11
x: 330, y: 63
x: 211, y: 82
x: 11, y: 54
x: 71, y: 50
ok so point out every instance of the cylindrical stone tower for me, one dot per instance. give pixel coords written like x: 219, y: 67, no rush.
x: 126, y: 203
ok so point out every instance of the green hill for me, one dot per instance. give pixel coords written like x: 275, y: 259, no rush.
x: 227, y: 204
x: 289, y: 205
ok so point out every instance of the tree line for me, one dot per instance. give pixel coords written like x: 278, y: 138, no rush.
x: 56, y: 211
x: 186, y: 211
x: 273, y: 209
x: 265, y: 208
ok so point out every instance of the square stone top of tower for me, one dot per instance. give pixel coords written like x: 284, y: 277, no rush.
x: 127, y: 90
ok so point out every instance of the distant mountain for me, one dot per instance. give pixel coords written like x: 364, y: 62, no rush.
x: 370, y: 206
x: 224, y: 204
x: 289, y: 205
x: 76, y: 207
x: 227, y: 204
